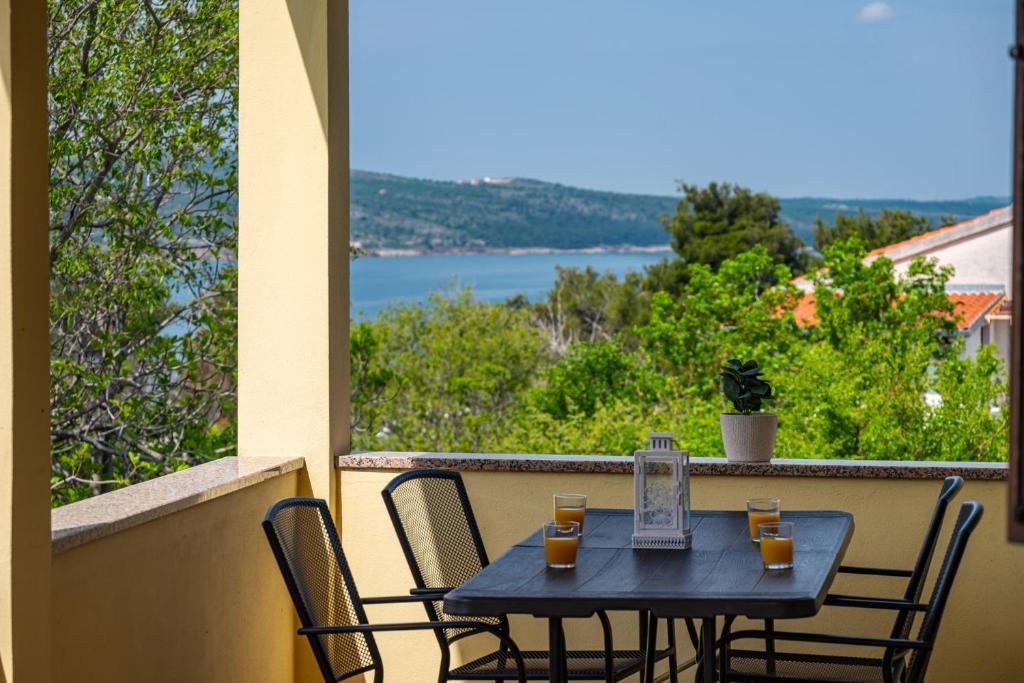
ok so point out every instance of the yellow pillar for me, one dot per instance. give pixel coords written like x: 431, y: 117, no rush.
x: 293, y: 396
x: 24, y: 346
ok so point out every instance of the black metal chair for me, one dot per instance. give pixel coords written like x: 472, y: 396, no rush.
x: 434, y: 521
x: 305, y: 543
x: 915, y: 577
x: 903, y: 660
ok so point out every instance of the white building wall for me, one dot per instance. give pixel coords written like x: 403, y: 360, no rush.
x: 1001, y: 338
x: 984, y: 259
x: 971, y: 343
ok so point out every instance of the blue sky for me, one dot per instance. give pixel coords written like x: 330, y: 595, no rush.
x: 844, y: 98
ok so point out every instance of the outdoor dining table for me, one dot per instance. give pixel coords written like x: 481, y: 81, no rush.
x: 721, y: 575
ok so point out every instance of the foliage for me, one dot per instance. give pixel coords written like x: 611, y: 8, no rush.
x: 857, y: 300
x: 734, y: 312
x: 879, y: 377
x: 143, y: 103
x: 887, y: 227
x: 718, y: 222
x: 458, y: 368
x: 592, y: 374
x: 584, y: 305
x: 743, y: 385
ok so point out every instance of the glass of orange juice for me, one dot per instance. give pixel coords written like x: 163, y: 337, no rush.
x: 570, y: 507
x: 776, y: 544
x: 560, y: 543
x: 762, y: 510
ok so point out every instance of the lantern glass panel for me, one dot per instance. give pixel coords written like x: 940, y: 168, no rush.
x: 661, y: 497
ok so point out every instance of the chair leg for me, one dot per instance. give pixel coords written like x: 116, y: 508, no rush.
x: 673, y: 655
x: 446, y: 660
x: 500, y: 665
x: 723, y: 651
x: 691, y: 630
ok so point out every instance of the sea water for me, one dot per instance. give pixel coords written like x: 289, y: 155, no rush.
x: 377, y: 282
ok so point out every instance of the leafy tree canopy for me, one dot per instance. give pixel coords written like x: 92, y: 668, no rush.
x: 715, y: 223
x: 888, y: 227
x: 143, y: 105
x: 592, y: 374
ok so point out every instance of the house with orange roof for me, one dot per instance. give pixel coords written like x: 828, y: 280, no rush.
x: 980, y: 252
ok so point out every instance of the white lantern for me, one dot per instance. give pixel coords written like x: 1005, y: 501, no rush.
x: 661, y: 503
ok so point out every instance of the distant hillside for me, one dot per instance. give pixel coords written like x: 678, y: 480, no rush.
x: 800, y: 212
x: 394, y: 212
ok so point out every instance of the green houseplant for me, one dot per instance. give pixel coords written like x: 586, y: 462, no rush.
x: 747, y: 434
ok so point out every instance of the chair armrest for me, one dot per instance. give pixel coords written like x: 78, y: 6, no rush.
x: 506, y: 642
x: 408, y: 626
x: 875, y: 571
x: 429, y: 591
x: 387, y: 599
x: 829, y: 639
x: 836, y: 600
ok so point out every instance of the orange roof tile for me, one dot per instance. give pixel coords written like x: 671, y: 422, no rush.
x: 972, y: 305
x: 969, y: 307
x: 931, y: 233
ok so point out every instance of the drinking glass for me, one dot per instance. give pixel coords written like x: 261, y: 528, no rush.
x: 560, y: 544
x: 776, y: 544
x: 761, y: 510
x: 570, y: 507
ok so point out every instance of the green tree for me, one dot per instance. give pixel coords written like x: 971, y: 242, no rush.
x: 855, y: 299
x: 863, y: 383
x: 971, y: 420
x: 593, y: 374
x: 143, y: 105
x: 738, y: 311
x: 584, y: 305
x: 888, y: 227
x: 718, y: 222
x: 458, y: 369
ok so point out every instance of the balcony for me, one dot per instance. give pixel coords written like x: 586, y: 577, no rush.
x: 172, y: 580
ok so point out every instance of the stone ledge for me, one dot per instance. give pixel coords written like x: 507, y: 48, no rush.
x: 93, y: 518
x: 613, y: 464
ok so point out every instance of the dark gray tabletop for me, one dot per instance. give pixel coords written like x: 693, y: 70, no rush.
x: 721, y: 574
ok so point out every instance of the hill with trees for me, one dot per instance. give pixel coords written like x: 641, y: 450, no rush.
x: 396, y: 212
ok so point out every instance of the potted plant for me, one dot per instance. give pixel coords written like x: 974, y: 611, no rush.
x: 748, y: 434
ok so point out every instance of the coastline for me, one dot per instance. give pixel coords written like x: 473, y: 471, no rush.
x: 385, y: 252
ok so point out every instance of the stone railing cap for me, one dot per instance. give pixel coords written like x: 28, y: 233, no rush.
x: 109, y: 513
x: 616, y: 464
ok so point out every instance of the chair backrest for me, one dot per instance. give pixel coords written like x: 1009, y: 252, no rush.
x: 438, y: 533
x: 967, y: 521
x: 305, y: 543
x: 915, y: 584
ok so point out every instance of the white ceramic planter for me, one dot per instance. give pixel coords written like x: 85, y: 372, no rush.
x: 749, y: 438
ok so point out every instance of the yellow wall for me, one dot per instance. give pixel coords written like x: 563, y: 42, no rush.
x: 980, y: 628
x: 191, y: 597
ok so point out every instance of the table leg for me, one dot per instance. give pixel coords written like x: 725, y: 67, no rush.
x: 555, y: 646
x: 650, y: 647
x: 707, y: 649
